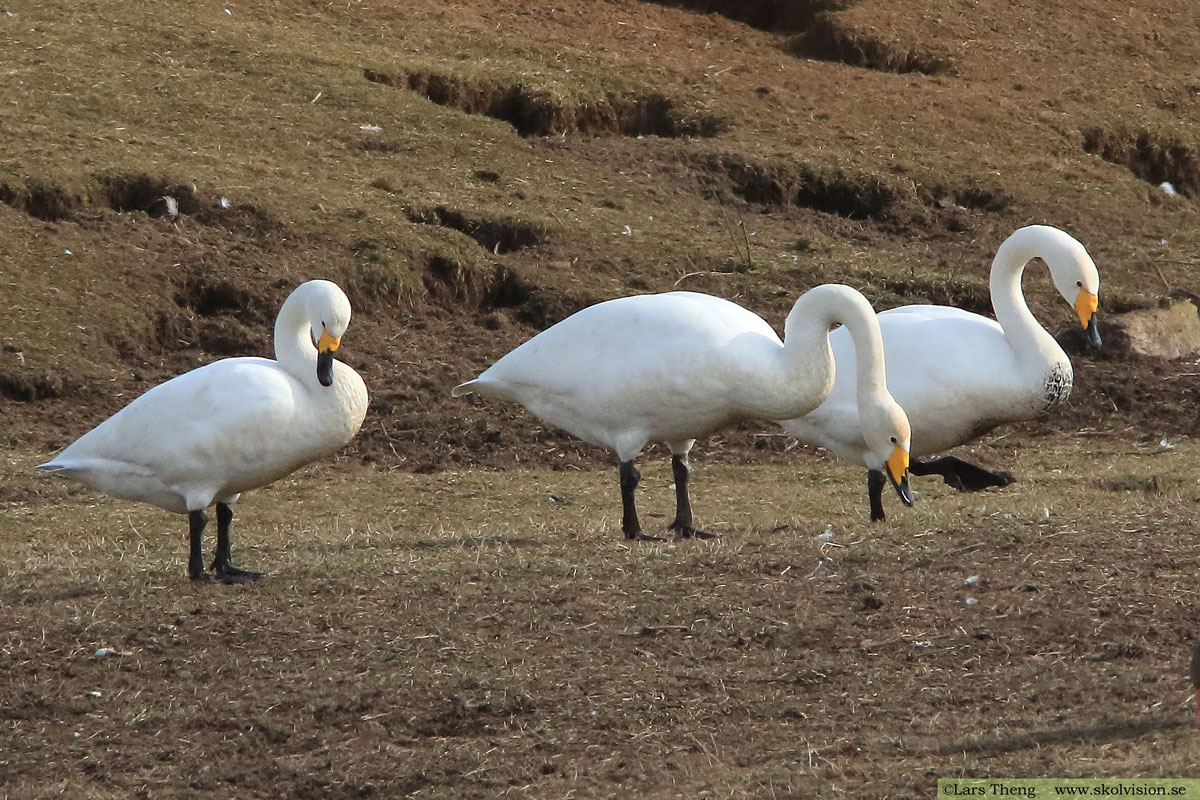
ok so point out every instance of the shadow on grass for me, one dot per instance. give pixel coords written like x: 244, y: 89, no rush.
x: 1098, y: 733
x: 32, y: 596
x: 454, y: 543
x: 471, y: 542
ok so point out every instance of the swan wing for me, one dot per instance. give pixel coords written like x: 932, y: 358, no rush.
x: 225, y: 427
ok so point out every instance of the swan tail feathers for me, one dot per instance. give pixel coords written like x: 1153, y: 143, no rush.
x: 464, y: 388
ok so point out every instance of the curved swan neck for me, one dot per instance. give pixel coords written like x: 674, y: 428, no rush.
x: 1008, y: 301
x: 833, y: 304
x: 294, y: 349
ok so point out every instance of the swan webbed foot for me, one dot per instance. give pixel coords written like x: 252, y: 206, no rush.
x: 961, y: 475
x: 688, y: 532
x: 229, y: 574
x: 224, y: 571
x: 1001, y: 478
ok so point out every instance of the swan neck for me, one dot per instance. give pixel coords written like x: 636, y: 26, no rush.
x: 1008, y: 301
x: 294, y: 349
x: 821, y: 308
x: 868, y: 356
x: 806, y: 335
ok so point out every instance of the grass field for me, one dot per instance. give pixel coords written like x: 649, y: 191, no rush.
x: 517, y: 646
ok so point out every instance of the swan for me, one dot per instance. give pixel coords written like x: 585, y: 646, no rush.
x: 957, y: 374
x: 230, y: 426
x: 678, y: 366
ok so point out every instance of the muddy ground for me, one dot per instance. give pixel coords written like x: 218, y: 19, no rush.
x: 450, y: 611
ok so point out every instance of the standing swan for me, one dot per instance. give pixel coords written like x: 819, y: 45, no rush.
x: 230, y: 426
x: 678, y: 366
x: 957, y: 374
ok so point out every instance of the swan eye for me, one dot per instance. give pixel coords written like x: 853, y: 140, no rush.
x: 893, y: 440
x: 1079, y: 284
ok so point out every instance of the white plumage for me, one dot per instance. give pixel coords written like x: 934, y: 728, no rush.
x: 678, y: 366
x: 237, y: 424
x: 958, y: 374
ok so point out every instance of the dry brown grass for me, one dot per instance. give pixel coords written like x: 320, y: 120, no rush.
x: 482, y: 633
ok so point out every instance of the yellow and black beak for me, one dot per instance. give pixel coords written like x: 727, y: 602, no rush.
x: 326, y: 347
x: 896, y: 468
x: 1086, y: 304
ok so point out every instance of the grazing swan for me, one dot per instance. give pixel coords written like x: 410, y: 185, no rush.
x: 957, y: 374
x: 678, y: 366
x: 230, y: 426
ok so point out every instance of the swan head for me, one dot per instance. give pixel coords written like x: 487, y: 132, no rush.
x: 328, y: 312
x: 1076, y: 279
x: 889, y: 439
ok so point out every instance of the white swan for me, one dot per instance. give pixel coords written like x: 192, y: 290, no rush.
x: 957, y: 374
x: 675, y: 367
x: 227, y: 427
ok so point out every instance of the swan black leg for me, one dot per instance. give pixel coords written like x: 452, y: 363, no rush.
x: 196, y: 522
x: 875, y: 484
x: 630, y: 525
x: 962, y: 475
x: 683, y: 505
x: 221, y: 566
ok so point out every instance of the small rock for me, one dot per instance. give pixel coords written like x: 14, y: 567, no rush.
x: 1172, y: 332
x: 104, y: 652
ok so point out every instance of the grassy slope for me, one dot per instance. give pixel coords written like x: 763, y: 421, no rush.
x: 265, y: 105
